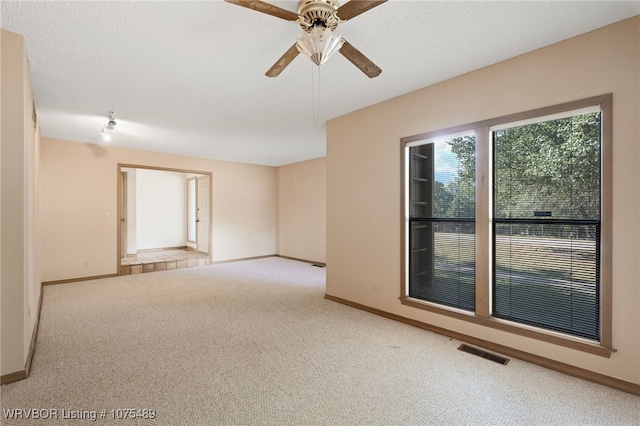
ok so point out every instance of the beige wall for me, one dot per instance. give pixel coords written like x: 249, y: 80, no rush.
x: 20, y: 229
x: 364, y: 178
x: 79, y: 202
x: 302, y: 210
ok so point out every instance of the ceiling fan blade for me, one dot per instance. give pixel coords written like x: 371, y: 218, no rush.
x: 267, y: 8
x: 282, y: 63
x: 359, y: 60
x: 355, y: 7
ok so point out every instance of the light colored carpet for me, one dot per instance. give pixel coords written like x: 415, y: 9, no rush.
x: 255, y: 342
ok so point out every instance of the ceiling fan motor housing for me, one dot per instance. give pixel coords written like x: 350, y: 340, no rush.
x: 318, y: 12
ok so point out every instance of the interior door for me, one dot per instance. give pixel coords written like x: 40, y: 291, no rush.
x: 202, y: 217
x: 123, y: 214
x: 192, y: 200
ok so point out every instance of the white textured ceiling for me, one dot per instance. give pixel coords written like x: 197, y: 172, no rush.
x: 188, y: 77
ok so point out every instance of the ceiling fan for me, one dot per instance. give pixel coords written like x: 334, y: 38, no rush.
x: 318, y: 19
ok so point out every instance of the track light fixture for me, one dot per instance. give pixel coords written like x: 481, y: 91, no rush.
x: 108, y: 126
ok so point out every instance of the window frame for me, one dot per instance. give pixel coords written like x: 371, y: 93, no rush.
x: 482, y: 314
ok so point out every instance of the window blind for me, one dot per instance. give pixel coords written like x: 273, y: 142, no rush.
x: 442, y: 223
x: 546, y: 225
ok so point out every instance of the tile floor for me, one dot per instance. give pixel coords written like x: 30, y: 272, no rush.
x: 162, y: 260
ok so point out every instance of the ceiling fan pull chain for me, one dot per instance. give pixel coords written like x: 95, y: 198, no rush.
x: 315, y: 93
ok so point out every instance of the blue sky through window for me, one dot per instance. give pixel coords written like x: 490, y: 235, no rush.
x: 445, y: 162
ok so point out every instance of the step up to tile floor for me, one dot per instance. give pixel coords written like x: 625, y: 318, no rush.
x: 162, y: 260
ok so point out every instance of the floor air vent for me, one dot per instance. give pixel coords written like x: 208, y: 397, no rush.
x: 483, y: 354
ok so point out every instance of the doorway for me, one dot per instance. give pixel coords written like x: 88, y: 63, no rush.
x: 154, y: 211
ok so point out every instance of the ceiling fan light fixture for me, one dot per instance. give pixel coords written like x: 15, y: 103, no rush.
x: 319, y: 44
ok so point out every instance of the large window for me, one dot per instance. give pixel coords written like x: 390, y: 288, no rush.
x: 508, y: 223
x: 546, y: 224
